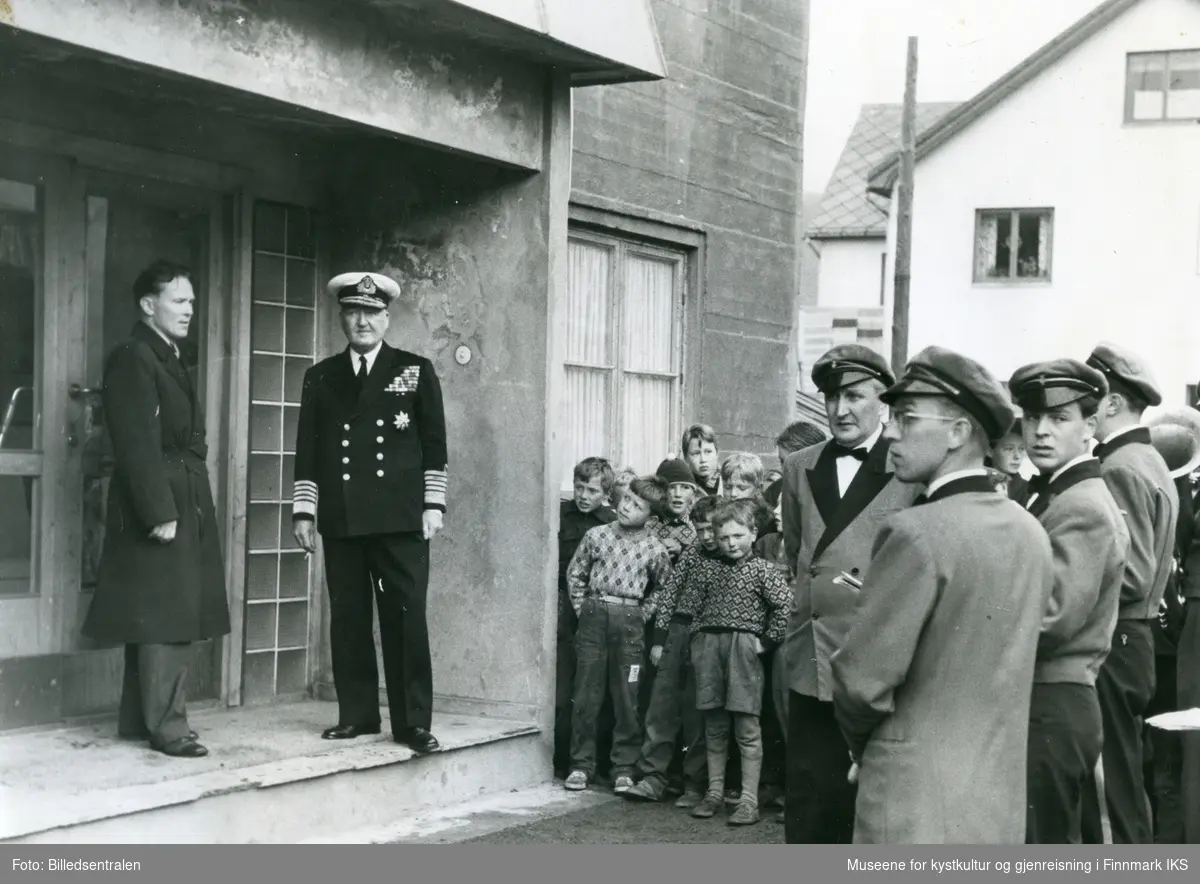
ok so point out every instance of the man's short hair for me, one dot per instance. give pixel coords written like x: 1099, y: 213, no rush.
x: 653, y: 490
x: 702, y: 432
x: 799, y: 435
x: 156, y: 277
x: 741, y: 465
x: 702, y: 509
x: 591, y: 467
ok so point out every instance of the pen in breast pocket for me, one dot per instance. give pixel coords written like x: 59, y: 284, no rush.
x: 849, y: 580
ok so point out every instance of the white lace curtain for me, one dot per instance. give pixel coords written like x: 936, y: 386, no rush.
x: 16, y: 240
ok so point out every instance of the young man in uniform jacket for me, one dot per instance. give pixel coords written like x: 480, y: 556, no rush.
x: 1142, y: 486
x: 1089, y: 540
x: 932, y: 683
x: 371, y: 469
x: 1187, y: 676
x: 836, y: 495
x: 161, y: 584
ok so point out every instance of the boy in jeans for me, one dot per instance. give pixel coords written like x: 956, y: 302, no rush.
x: 673, y: 700
x: 613, y: 579
x: 587, y: 509
x: 736, y: 619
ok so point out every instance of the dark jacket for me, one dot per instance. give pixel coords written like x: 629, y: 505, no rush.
x: 149, y: 592
x: 370, y: 463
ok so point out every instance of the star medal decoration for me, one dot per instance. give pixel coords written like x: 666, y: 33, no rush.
x: 402, y: 421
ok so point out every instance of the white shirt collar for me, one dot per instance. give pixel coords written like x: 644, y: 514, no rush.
x: 1121, y: 432
x: 1070, y: 464
x: 369, y: 355
x: 950, y: 477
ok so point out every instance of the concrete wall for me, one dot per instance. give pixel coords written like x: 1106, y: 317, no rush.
x: 1126, y: 200
x: 717, y: 147
x: 851, y: 272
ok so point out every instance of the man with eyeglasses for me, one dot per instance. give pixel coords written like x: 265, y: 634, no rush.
x: 836, y: 495
x: 931, y: 686
x: 1060, y: 400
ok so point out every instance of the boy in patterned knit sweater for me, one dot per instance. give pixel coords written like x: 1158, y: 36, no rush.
x: 672, y: 713
x: 613, y: 580
x: 736, y: 618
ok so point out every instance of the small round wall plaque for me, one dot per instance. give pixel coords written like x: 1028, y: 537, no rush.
x: 462, y: 355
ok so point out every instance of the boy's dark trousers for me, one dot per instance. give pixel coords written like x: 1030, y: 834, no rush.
x: 1165, y: 763
x: 774, y: 773
x: 672, y: 708
x: 1065, y: 736
x: 608, y: 659
x: 564, y: 680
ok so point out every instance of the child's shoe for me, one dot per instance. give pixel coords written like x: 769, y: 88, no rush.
x: 733, y: 796
x: 689, y: 799
x: 746, y: 814
x: 644, y: 791
x: 577, y: 781
x: 707, y: 808
x: 622, y: 785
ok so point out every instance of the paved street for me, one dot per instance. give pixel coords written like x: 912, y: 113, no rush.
x: 628, y: 822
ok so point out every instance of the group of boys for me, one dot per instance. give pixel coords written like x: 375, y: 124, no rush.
x: 944, y: 636
x: 673, y: 598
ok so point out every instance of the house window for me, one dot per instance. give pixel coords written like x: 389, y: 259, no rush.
x: 623, y: 353
x: 1013, y: 245
x: 1162, y: 86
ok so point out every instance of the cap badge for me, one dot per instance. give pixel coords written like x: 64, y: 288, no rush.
x: 366, y: 286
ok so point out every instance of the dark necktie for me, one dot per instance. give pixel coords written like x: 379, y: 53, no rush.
x: 361, y: 375
x: 859, y: 454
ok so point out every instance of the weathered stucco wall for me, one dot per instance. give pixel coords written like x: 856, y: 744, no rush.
x: 717, y: 145
x: 468, y: 245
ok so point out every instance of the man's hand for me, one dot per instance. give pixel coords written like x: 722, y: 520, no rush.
x: 656, y: 654
x: 305, y: 533
x: 431, y: 523
x: 165, y: 532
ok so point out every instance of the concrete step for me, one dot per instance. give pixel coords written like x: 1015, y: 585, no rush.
x: 455, y: 823
x: 270, y: 778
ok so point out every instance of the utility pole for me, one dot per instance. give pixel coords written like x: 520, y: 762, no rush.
x: 904, y: 197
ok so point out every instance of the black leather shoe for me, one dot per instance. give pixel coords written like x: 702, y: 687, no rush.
x: 349, y: 731
x: 419, y: 740
x: 184, y: 747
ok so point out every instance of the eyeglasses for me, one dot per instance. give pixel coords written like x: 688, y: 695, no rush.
x: 904, y: 419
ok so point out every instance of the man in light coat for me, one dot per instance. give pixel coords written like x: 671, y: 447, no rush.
x: 836, y: 495
x: 932, y: 685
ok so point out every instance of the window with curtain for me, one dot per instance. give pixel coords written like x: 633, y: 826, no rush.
x: 1013, y: 245
x: 1162, y: 86
x: 624, y: 351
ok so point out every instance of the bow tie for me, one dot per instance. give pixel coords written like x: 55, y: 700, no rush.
x: 1039, y: 484
x: 859, y: 454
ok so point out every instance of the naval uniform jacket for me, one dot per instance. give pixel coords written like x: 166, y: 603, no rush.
x: 825, y: 534
x: 932, y: 684
x: 1090, y: 543
x: 1142, y: 486
x: 149, y: 592
x: 370, y: 463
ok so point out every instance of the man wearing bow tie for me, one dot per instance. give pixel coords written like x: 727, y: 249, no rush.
x: 1088, y: 537
x: 836, y: 495
x: 371, y: 471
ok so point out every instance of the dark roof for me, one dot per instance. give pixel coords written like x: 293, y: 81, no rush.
x: 883, y: 176
x: 847, y: 209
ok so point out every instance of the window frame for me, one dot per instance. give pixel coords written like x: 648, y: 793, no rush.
x: 650, y: 237
x: 1164, y: 120
x: 1013, y: 279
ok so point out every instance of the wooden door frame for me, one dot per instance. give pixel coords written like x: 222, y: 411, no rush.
x: 65, y: 159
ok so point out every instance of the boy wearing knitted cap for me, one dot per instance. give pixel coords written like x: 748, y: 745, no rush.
x: 674, y: 527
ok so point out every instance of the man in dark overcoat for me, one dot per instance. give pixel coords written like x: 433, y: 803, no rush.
x: 371, y: 471
x: 161, y: 583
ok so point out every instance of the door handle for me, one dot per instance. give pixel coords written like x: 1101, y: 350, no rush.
x: 77, y: 392
x: 83, y: 429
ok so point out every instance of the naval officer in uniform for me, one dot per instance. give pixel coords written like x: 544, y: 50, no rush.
x: 371, y: 472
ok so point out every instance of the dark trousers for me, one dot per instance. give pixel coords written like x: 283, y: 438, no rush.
x: 154, y: 693
x: 774, y: 743
x: 819, y: 804
x: 1065, y: 735
x: 1124, y: 688
x: 673, y: 714
x: 1164, y: 766
x: 564, y: 680
x: 1188, y: 691
x: 393, y: 569
x: 608, y: 655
